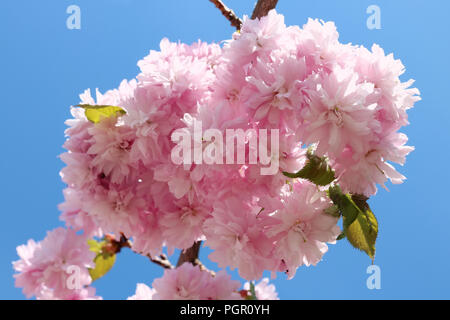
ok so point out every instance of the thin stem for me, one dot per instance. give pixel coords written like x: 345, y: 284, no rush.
x: 228, y: 13
x: 161, y: 261
x: 114, y: 246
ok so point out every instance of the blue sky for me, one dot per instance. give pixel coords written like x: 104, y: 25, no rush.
x: 44, y: 66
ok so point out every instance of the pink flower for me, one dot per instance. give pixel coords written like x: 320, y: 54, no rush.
x: 303, y: 229
x: 338, y: 114
x: 344, y: 101
x: 188, y: 282
x: 143, y: 292
x: 87, y: 293
x: 183, y: 225
x: 111, y: 147
x: 264, y: 290
x: 236, y: 234
x: 45, y: 268
x: 359, y: 173
x: 274, y: 95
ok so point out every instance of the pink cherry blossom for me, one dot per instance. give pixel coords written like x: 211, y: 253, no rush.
x: 188, y: 282
x: 264, y: 290
x: 345, y: 102
x: 45, y: 267
x: 143, y: 292
x: 304, y: 229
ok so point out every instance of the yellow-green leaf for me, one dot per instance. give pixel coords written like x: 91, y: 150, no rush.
x: 317, y: 170
x: 347, y: 207
x: 95, y: 246
x: 103, y: 263
x: 363, y: 232
x: 95, y: 113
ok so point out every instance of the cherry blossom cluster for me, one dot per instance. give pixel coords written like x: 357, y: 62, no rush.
x: 345, y: 102
x: 56, y: 268
x: 189, y: 282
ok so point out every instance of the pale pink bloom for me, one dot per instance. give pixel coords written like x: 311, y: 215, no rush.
x: 146, y: 148
x: 360, y: 173
x: 75, y: 217
x: 346, y: 101
x: 48, y: 264
x: 143, y: 292
x: 304, y: 229
x: 183, y: 225
x: 111, y: 148
x: 87, y: 293
x: 264, y: 290
x: 274, y: 95
x: 188, y: 282
x: 116, y: 210
x: 257, y: 37
x: 29, y: 274
x: 236, y: 234
x: 394, y: 98
x: 318, y: 43
x: 338, y: 114
x: 223, y: 288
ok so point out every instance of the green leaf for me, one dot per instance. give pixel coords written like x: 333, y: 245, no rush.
x: 333, y: 211
x: 341, y: 236
x: 103, y: 263
x: 95, y: 113
x: 316, y: 170
x: 360, y: 224
x: 346, y: 205
x: 252, y: 292
x: 363, y: 232
x: 95, y: 246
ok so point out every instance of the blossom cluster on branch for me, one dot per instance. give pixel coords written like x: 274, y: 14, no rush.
x: 341, y: 102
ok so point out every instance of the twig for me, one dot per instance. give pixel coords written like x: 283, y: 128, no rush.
x: 228, y: 13
x: 202, y: 267
x: 113, y: 246
x: 190, y: 255
x: 263, y: 7
x: 161, y: 261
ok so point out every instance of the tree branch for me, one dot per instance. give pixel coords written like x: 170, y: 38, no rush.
x: 189, y: 255
x: 228, y: 13
x: 263, y: 7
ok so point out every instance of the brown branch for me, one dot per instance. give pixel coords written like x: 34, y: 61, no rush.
x: 113, y: 246
x: 189, y: 255
x: 263, y: 7
x: 228, y: 13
